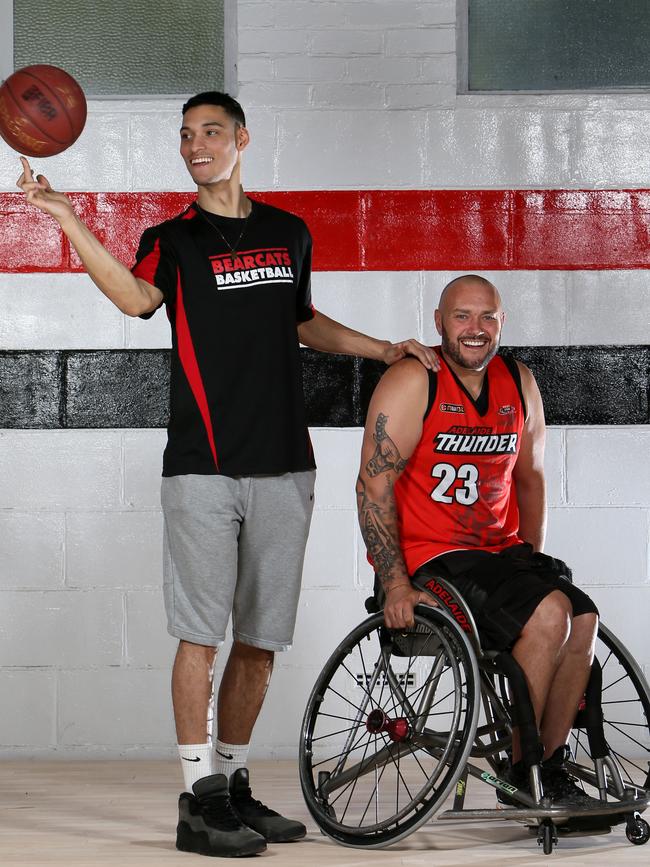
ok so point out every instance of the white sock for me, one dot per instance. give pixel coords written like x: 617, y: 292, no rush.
x: 229, y: 757
x: 197, y: 761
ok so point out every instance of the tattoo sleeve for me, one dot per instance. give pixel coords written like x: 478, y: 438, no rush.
x: 386, y: 456
x: 377, y: 510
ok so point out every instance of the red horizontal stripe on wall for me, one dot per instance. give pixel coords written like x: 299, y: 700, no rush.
x: 378, y: 230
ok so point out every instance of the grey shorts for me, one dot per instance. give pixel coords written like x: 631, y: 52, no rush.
x: 235, y: 545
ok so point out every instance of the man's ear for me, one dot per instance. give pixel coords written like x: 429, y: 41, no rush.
x: 438, y: 320
x: 242, y: 138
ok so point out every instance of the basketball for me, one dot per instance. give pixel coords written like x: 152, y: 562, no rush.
x: 42, y: 110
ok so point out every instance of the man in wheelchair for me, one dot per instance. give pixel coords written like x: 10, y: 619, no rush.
x: 452, y: 484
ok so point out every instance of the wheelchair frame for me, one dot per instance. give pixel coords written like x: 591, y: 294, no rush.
x: 392, y: 728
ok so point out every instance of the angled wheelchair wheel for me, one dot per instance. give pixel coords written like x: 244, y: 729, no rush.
x: 626, y: 712
x: 388, y: 728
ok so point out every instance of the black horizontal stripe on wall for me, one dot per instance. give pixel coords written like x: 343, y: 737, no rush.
x: 581, y: 385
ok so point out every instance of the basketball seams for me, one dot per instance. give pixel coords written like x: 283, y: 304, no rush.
x: 21, y: 107
x: 58, y: 99
x: 11, y: 95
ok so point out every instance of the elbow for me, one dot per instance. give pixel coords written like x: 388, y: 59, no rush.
x: 134, y: 308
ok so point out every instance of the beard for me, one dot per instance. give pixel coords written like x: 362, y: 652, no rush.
x: 454, y: 350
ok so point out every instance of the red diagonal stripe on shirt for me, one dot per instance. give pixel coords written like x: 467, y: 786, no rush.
x: 187, y: 355
x: 146, y: 267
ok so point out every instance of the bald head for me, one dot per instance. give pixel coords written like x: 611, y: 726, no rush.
x: 469, y: 319
x: 453, y: 290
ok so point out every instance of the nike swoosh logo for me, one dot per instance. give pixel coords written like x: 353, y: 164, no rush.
x: 197, y: 759
x: 224, y: 755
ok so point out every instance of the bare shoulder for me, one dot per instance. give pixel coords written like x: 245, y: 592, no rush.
x: 532, y: 396
x: 528, y: 381
x: 402, y: 392
x: 408, y: 373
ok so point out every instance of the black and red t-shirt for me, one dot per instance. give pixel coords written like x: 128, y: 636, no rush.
x: 457, y: 491
x: 236, y: 399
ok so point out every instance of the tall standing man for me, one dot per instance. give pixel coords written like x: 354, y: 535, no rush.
x: 238, y: 469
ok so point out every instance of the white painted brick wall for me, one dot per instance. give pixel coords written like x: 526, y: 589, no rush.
x: 28, y: 708
x: 356, y: 95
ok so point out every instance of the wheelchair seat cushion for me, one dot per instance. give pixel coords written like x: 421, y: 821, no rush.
x: 503, y: 590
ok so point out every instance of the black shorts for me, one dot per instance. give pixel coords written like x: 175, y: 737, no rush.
x: 504, y: 589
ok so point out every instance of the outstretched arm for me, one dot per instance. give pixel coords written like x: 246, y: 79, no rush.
x: 327, y: 335
x: 132, y: 295
x: 528, y: 473
x: 393, y: 429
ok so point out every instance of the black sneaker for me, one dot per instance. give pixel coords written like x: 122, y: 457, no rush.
x: 516, y: 776
x: 271, y: 825
x: 560, y: 786
x: 563, y: 791
x: 208, y: 825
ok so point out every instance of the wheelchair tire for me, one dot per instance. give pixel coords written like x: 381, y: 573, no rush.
x: 388, y: 728
x: 626, y: 712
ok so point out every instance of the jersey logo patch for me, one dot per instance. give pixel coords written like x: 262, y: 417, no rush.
x: 508, y: 409
x: 452, y: 407
x: 253, y: 268
x: 476, y: 444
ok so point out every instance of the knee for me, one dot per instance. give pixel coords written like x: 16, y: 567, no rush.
x: 584, y: 630
x: 256, y: 657
x: 196, y: 652
x: 551, y: 620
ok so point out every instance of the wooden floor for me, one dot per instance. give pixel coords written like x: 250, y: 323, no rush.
x: 124, y: 813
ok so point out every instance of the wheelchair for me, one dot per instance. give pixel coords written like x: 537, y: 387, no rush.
x: 397, y: 721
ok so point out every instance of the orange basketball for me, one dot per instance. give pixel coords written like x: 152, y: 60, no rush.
x: 42, y: 110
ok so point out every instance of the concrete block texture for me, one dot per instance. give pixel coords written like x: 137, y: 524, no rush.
x: 481, y: 148
x: 337, y: 95
x: 330, y: 554
x: 374, y: 302
x: 608, y: 147
x: 143, y: 451
x: 155, y: 161
x: 61, y: 629
x: 534, y: 303
x: 555, y: 466
x: 99, y: 160
x: 585, y: 539
x: 309, y: 69
x: 624, y: 610
x: 125, y: 389
x: 337, y: 456
x: 391, y: 141
x: 325, y: 617
x: 31, y: 550
x: 31, y: 393
x: 55, y: 469
x: 115, y: 708
x: 113, y: 549
x: 608, y: 307
x: 148, y: 644
x: 608, y: 466
x: 346, y: 43
x: 421, y: 41
x: 28, y: 708
x: 57, y: 311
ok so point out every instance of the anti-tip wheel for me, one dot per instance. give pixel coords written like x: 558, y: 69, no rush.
x: 638, y: 831
x: 547, y: 837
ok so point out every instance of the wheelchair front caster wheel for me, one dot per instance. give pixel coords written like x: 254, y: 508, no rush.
x: 637, y: 831
x: 546, y: 836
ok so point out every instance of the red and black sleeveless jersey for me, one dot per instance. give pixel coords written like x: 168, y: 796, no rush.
x: 456, y: 492
x: 236, y: 400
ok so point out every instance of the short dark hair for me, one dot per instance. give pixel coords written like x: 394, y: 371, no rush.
x: 215, y: 97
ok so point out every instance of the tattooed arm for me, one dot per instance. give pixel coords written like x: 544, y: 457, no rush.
x: 393, y: 430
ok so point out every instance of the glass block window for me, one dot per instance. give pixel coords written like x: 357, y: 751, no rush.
x: 558, y: 44
x: 126, y: 47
